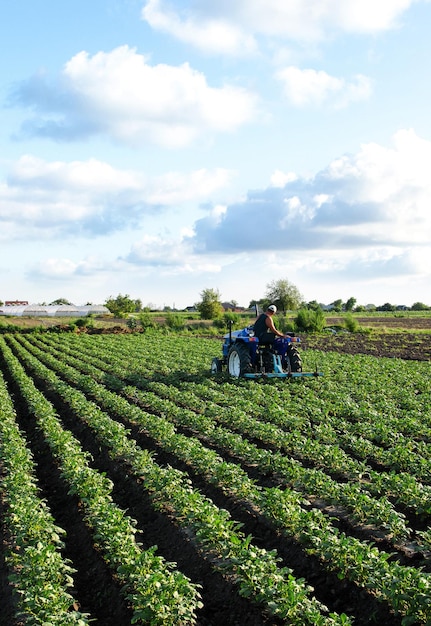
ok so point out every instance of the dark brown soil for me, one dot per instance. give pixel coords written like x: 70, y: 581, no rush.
x: 409, y: 345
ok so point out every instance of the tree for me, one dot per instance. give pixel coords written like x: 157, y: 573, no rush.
x: 121, y: 304
x: 337, y: 305
x: 350, y: 304
x: 420, y: 306
x: 61, y: 301
x: 284, y: 294
x: 210, y: 306
x: 387, y: 307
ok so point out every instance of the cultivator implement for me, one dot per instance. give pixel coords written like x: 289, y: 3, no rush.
x: 278, y: 372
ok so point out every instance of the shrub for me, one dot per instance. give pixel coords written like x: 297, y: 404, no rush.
x: 84, y: 322
x: 235, y: 318
x: 285, y: 324
x: 310, y: 321
x: 146, y: 321
x: 132, y: 323
x: 174, y: 321
x: 351, y: 323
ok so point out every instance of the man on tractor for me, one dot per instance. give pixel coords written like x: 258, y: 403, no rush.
x: 264, y: 328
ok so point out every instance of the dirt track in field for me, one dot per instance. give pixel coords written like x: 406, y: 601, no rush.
x: 404, y: 323
x: 408, y: 346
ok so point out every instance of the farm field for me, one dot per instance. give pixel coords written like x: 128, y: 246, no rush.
x: 136, y: 488
x: 414, y: 346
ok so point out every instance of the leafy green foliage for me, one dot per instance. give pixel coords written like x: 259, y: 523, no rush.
x: 284, y: 294
x: 174, y: 321
x: 146, y: 321
x: 210, y: 306
x: 351, y: 323
x: 352, y: 445
x: 41, y: 577
x: 121, y: 305
x: 228, y: 318
x: 310, y: 320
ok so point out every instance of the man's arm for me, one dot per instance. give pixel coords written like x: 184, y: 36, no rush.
x: 272, y: 328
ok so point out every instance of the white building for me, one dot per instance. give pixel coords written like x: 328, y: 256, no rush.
x: 51, y: 310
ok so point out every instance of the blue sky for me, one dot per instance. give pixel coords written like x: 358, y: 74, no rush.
x: 158, y: 148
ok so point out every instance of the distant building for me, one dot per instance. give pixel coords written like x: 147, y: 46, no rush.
x: 231, y: 306
x: 16, y: 303
x: 58, y: 310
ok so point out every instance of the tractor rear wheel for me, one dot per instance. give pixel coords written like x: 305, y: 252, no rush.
x: 293, y: 359
x: 238, y: 360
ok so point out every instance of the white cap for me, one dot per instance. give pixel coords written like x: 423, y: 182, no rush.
x: 273, y: 308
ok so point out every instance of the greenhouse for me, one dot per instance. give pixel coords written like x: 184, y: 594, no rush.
x: 50, y: 310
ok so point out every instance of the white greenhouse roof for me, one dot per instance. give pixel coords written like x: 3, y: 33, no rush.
x: 58, y: 310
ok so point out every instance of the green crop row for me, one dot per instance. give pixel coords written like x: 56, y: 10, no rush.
x: 255, y: 570
x: 363, y: 508
x: 295, y: 408
x: 41, y: 577
x: 158, y: 593
x: 365, y: 565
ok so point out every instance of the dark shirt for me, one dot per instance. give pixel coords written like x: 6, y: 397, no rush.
x: 260, y: 327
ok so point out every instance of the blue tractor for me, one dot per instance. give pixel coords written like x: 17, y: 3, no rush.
x: 244, y: 356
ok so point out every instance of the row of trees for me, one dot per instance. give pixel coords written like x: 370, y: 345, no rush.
x: 284, y: 294
x: 287, y: 297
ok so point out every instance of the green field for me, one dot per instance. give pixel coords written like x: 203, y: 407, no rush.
x: 136, y: 488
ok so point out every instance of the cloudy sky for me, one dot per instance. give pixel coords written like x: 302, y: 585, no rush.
x: 157, y: 148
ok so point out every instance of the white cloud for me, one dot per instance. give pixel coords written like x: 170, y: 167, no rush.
x: 55, y: 269
x: 214, y: 34
x: 377, y: 199
x: 226, y: 26
x: 63, y: 269
x: 368, y: 16
x: 280, y: 179
x: 121, y: 95
x: 158, y: 251
x: 308, y: 86
x: 173, y: 188
x: 47, y: 199
x: 90, y: 175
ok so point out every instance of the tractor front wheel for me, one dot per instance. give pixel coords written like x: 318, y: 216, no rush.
x: 238, y: 360
x: 216, y: 366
